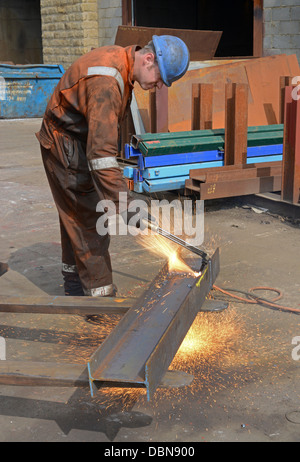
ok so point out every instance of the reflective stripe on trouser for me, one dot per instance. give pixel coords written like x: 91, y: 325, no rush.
x: 76, y: 200
x: 100, y: 291
x: 70, y: 273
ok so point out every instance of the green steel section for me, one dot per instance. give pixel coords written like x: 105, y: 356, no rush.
x: 177, y: 146
x: 197, y: 133
x: 263, y: 139
x: 155, y: 144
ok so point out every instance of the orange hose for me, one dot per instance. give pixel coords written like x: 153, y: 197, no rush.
x: 258, y: 300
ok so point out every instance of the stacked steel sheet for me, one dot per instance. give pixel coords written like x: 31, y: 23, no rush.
x: 165, y: 160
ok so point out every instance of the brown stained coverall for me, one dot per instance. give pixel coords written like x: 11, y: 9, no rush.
x: 79, y: 142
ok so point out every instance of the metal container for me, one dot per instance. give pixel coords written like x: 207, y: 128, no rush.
x: 26, y: 90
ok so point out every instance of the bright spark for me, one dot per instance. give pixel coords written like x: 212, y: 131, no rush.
x: 161, y: 246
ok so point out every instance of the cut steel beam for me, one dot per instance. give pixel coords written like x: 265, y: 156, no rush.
x: 231, y: 188
x: 202, y: 106
x: 158, y: 109
x: 50, y: 374
x: 46, y: 374
x: 142, y: 346
x: 64, y: 305
x: 236, y: 172
x: 284, y: 81
x: 236, y: 123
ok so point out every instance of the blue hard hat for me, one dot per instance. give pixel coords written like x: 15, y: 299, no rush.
x: 173, y: 57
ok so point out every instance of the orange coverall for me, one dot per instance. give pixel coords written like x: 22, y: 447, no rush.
x: 79, y: 142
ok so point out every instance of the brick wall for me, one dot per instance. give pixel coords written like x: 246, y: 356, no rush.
x: 69, y: 29
x: 282, y: 27
x: 110, y: 17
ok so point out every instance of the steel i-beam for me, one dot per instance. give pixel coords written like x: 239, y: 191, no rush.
x: 142, y: 346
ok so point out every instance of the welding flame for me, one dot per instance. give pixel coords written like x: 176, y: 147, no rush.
x: 160, y: 246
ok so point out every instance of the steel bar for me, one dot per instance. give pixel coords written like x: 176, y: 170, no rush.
x: 252, y: 130
x: 230, y: 172
x: 219, y: 189
x: 236, y: 123
x: 290, y: 190
x: 202, y: 106
x: 69, y: 305
x: 186, y: 159
x: 48, y: 374
x: 158, y: 110
x: 203, y: 140
x: 143, y: 344
x: 64, y: 305
x: 284, y: 81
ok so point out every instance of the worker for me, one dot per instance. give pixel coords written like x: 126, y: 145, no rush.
x: 79, y: 144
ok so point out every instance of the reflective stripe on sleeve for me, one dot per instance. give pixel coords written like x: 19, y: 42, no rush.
x: 108, y: 71
x: 104, y: 162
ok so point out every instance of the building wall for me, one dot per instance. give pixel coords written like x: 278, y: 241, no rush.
x: 110, y: 17
x: 282, y: 27
x: 69, y: 29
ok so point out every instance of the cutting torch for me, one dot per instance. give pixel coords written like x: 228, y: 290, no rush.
x: 155, y: 228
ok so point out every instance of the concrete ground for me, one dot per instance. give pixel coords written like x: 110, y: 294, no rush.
x: 245, y: 360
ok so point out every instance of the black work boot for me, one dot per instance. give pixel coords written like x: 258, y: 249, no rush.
x: 72, y: 285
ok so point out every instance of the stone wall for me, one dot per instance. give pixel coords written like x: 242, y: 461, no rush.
x: 69, y: 29
x: 281, y: 27
x: 110, y: 17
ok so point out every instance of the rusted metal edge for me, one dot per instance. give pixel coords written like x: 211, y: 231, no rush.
x: 290, y: 190
x: 143, y: 344
x: 64, y: 305
x: 37, y: 373
x: 49, y: 374
x: 170, y: 342
x: 220, y: 189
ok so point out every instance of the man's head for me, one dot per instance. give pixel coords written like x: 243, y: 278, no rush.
x: 146, y: 71
x: 163, y: 61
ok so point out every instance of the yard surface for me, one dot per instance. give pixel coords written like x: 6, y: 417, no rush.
x: 245, y: 360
